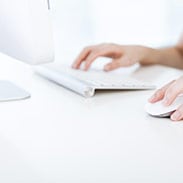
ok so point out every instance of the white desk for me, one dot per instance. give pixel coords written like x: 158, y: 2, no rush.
x: 60, y: 137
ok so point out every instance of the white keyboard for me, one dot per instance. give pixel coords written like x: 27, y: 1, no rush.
x: 86, y: 83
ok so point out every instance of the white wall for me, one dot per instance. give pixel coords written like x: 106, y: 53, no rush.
x: 73, y: 28
x: 82, y: 22
x: 174, y: 18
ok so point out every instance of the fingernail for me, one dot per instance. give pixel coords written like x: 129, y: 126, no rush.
x: 176, y: 116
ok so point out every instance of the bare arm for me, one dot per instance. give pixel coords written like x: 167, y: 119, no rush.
x: 172, y: 57
x: 123, y: 56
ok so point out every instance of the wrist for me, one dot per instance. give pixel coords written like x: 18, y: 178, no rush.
x: 149, y: 56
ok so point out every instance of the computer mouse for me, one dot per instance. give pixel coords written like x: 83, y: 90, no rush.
x: 159, y: 110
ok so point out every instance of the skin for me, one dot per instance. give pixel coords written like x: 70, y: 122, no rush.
x: 124, y: 56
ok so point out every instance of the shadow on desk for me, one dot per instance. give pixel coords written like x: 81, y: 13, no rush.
x: 156, y: 75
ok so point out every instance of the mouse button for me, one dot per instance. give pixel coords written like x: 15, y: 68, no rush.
x: 153, y: 109
x: 158, y: 108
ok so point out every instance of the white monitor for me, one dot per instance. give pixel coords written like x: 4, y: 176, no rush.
x: 25, y: 34
x: 25, y: 30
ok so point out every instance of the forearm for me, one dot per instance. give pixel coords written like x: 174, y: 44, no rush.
x: 172, y: 57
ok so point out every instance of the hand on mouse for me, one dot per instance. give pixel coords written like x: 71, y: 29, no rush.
x: 168, y: 94
x: 121, y: 56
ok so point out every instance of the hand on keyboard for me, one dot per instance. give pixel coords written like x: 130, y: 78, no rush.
x: 122, y: 56
x: 86, y: 83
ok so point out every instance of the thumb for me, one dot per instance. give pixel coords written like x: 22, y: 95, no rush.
x: 116, y: 63
x: 112, y: 66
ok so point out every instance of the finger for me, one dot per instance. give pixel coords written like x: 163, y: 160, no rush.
x: 178, y: 114
x: 81, y: 58
x: 112, y: 66
x: 91, y: 58
x: 123, y: 61
x: 172, y: 92
x: 100, y: 51
x: 159, y: 94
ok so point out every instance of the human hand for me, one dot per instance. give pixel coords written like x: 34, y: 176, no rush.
x: 168, y: 94
x: 122, y: 56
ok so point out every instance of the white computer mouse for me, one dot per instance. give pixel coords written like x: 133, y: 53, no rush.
x: 159, y: 110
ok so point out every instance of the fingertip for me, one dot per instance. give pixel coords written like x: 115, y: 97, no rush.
x: 85, y: 69
x: 150, y: 100
x: 73, y: 66
x: 176, y: 116
x: 76, y: 68
x: 153, y: 99
x: 157, y: 96
x: 173, y: 118
x: 107, y: 68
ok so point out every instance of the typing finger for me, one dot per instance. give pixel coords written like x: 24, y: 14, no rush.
x: 91, y: 58
x: 101, y: 51
x: 81, y: 58
x: 112, y: 66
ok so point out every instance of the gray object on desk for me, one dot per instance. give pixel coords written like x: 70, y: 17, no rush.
x: 11, y: 92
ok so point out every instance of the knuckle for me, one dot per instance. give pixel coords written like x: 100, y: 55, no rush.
x: 103, y: 44
x: 171, y: 90
x: 106, y: 45
x: 93, y: 56
x: 110, y: 44
x: 171, y: 94
x: 87, y: 48
x: 96, y: 53
x: 176, y: 90
x: 159, y: 91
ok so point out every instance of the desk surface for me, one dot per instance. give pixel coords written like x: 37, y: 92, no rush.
x: 60, y: 137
